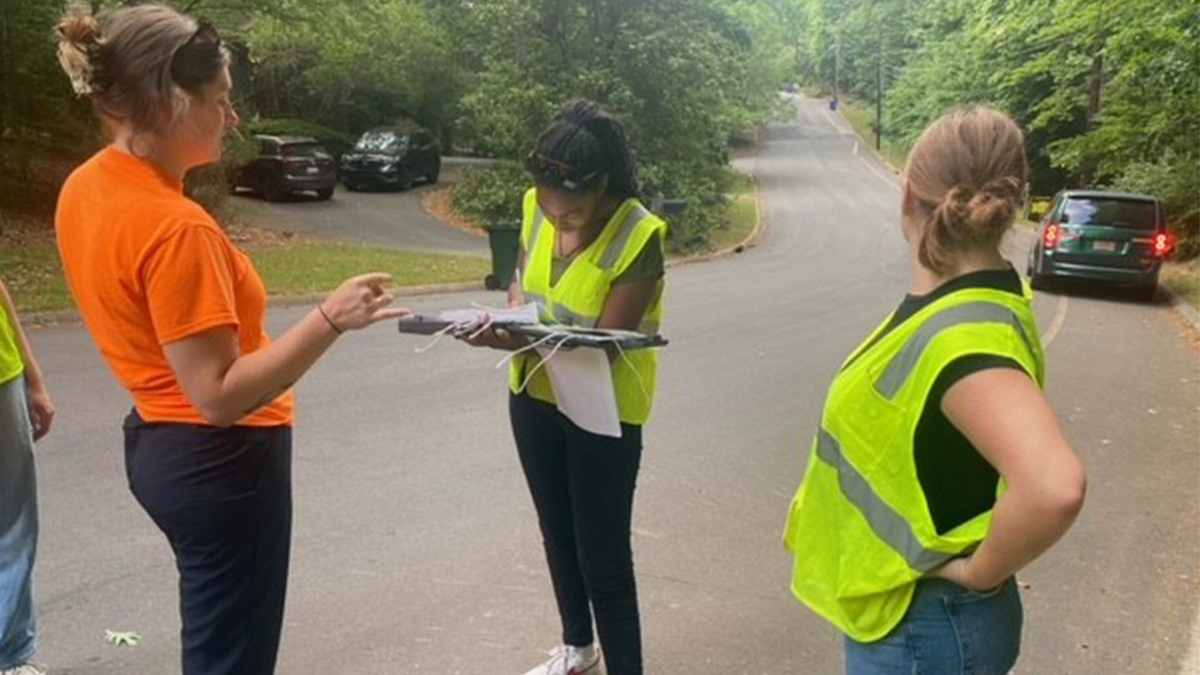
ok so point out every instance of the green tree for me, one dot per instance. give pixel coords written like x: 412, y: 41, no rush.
x: 353, y: 64
x: 684, y: 75
x: 1109, y: 93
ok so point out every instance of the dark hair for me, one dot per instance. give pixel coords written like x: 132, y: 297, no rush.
x: 585, y: 137
x: 967, y: 175
x: 135, y: 62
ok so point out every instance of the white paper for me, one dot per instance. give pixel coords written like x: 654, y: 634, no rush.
x: 523, y: 314
x: 583, y: 386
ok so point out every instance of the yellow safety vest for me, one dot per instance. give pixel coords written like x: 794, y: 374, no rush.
x: 859, y: 527
x: 11, y: 365
x: 578, y: 298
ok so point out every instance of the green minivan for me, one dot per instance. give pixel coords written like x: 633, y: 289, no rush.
x: 1112, y: 238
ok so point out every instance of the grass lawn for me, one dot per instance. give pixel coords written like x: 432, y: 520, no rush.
x: 30, y: 268
x: 741, y: 216
x: 739, y: 223
x: 313, y: 266
x: 1184, y: 279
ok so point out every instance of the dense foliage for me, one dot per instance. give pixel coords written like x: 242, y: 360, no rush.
x: 1108, y: 91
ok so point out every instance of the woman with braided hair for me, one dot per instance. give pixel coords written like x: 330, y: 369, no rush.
x: 939, y: 469
x: 591, y: 255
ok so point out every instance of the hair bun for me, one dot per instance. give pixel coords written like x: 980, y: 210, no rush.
x: 79, y: 38
x: 953, y: 212
x: 993, y: 207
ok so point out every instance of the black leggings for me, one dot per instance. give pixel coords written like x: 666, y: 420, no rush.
x: 582, y: 486
x: 223, y: 498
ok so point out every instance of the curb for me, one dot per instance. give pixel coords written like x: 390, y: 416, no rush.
x: 865, y: 142
x: 282, y: 301
x: 1182, y: 307
x: 71, y: 316
x: 752, y: 241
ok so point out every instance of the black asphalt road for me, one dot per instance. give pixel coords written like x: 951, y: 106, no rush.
x: 378, y: 216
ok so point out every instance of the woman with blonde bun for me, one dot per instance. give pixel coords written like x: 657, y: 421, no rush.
x: 939, y: 469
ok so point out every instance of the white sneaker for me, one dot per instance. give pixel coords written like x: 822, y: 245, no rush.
x: 25, y: 669
x: 565, y: 660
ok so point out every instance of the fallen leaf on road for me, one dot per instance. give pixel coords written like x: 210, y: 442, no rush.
x: 122, y: 638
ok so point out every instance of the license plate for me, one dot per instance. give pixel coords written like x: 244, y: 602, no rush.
x: 1104, y: 246
x: 312, y: 169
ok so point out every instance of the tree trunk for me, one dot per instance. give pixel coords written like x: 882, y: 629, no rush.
x: 1095, y: 88
x: 5, y: 60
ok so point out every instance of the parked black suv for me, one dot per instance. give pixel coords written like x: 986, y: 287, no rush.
x: 287, y: 164
x: 392, y: 157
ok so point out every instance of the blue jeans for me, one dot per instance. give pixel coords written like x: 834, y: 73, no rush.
x: 18, y: 526
x: 948, y: 630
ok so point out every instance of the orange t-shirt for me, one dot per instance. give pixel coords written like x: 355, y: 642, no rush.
x: 149, y: 267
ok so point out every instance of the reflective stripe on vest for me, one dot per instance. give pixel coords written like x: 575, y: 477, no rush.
x: 902, y: 365
x: 888, y: 525
x: 538, y: 219
x: 568, y: 318
x: 617, y: 245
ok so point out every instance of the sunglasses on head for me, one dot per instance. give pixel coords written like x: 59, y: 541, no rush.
x: 203, y: 45
x: 548, y: 171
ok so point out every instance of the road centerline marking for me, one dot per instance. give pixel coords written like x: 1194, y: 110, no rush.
x: 1060, y: 317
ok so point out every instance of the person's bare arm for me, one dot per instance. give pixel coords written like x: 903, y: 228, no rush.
x: 41, y: 408
x: 1007, y: 418
x: 627, y: 303
x: 226, y: 386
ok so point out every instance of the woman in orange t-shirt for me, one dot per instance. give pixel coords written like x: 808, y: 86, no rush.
x: 177, y: 312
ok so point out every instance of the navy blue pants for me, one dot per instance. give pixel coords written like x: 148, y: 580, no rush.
x: 582, y: 486
x: 223, y: 498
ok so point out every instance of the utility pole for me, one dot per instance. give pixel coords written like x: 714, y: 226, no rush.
x: 837, y: 65
x: 879, y: 90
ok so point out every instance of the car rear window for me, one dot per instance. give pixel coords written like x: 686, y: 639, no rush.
x: 1126, y: 213
x: 304, y: 150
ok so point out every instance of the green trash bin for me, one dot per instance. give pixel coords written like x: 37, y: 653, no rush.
x: 505, y: 241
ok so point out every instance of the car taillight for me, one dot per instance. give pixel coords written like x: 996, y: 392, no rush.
x: 1163, y: 245
x: 1050, y: 236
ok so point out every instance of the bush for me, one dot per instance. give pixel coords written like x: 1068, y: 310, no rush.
x: 209, y: 185
x: 1174, y: 180
x: 703, y: 184
x: 493, y: 194
x: 336, y: 141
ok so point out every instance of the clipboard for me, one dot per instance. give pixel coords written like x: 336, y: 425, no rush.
x: 553, y: 334
x: 595, y: 338
x: 419, y: 324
